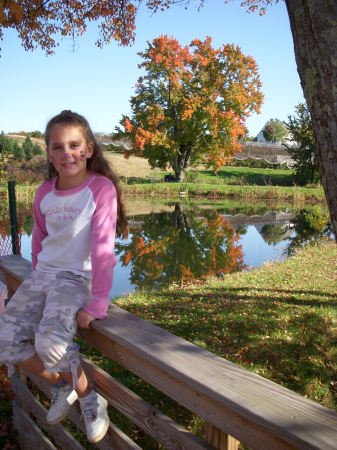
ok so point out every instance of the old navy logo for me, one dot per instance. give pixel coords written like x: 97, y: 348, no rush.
x: 55, y: 210
x: 58, y: 210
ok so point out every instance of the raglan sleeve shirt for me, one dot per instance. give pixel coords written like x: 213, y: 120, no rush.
x: 85, y: 217
x: 103, y: 260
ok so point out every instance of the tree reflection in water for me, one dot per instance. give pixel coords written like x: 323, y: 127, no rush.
x: 310, y: 225
x: 180, y: 246
x: 190, y: 244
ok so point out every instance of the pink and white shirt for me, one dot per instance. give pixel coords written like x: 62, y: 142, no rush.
x: 74, y: 230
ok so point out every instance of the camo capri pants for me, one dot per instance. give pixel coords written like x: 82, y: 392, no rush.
x: 41, y: 318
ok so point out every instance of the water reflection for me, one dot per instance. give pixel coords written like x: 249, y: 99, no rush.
x: 177, y: 243
x: 193, y: 243
x: 181, y: 246
x: 309, y: 225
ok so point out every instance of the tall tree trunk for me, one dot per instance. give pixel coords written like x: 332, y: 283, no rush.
x: 314, y: 29
x: 181, y: 162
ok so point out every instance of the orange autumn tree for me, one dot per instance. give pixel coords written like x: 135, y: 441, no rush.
x: 191, y: 104
x: 41, y: 23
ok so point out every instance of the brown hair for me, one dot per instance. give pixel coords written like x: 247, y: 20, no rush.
x: 96, y: 163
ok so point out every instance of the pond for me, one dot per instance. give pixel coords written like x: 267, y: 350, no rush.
x: 178, y: 242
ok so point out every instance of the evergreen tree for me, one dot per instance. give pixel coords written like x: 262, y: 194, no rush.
x: 8, y: 146
x: 18, y: 151
x: 37, y: 149
x: 2, y: 143
x: 28, y: 148
x: 304, y: 153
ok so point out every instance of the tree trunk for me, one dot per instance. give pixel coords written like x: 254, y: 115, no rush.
x: 180, y: 219
x: 179, y: 174
x: 181, y: 162
x: 314, y: 29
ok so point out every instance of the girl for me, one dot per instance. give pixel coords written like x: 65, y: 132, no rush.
x: 76, y: 214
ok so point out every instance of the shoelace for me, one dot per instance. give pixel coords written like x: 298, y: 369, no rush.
x: 56, y: 396
x: 89, y: 412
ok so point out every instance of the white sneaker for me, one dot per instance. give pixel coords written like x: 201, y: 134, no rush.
x: 95, y: 415
x: 62, y: 397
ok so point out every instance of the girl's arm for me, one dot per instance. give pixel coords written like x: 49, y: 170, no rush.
x: 39, y: 228
x: 102, y: 245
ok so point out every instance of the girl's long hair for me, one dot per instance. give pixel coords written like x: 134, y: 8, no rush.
x: 97, y: 163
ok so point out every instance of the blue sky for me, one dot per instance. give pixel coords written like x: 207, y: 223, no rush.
x: 99, y: 83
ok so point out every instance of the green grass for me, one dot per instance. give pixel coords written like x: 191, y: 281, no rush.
x: 250, y: 176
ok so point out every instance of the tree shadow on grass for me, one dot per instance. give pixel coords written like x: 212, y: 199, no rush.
x: 289, y: 296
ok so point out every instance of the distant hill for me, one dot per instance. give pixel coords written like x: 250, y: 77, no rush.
x: 20, y: 138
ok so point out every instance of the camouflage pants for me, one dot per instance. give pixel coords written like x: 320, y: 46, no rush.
x: 44, y: 310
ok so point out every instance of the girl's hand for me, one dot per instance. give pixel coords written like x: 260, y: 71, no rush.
x: 84, y: 319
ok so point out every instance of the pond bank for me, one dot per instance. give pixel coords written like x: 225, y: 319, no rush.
x: 171, y: 190
x: 212, y: 191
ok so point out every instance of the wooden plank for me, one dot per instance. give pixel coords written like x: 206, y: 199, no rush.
x: 30, y: 436
x: 160, y: 427
x: 34, y: 407
x: 218, y: 439
x: 186, y: 395
x: 114, y: 438
x: 254, y: 410
x: 15, y: 270
x: 16, y: 267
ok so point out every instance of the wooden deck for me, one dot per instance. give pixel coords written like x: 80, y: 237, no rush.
x: 233, y: 401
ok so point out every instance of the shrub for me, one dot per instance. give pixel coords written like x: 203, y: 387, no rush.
x: 23, y: 172
x: 191, y: 176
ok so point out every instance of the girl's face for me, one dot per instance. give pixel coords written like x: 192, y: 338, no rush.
x: 68, y: 151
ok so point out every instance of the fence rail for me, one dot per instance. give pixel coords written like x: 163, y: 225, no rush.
x: 231, y: 400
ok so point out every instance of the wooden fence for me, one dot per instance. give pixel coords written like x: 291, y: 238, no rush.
x: 236, y: 405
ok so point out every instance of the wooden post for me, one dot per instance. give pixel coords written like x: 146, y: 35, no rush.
x: 219, y: 439
x: 13, y: 217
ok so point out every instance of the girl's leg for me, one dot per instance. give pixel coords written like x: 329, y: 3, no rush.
x: 66, y: 295
x: 34, y: 366
x: 54, y: 344
x: 82, y: 387
x: 20, y: 319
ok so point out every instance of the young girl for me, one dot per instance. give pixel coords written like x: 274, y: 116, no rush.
x: 76, y: 214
